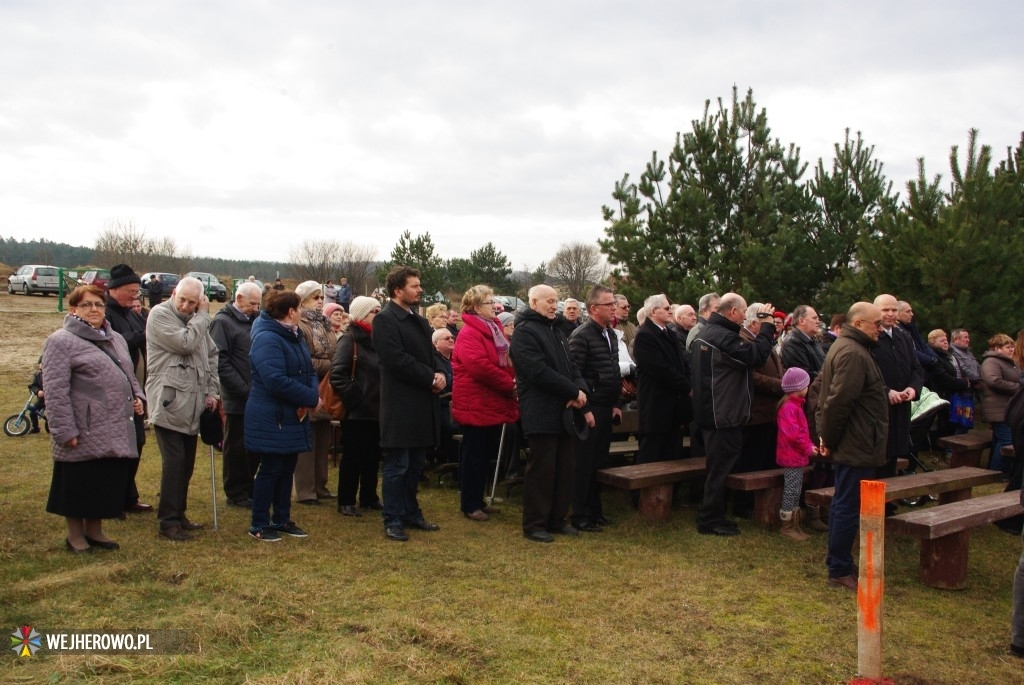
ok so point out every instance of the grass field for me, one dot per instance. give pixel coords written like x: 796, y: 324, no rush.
x: 473, y: 603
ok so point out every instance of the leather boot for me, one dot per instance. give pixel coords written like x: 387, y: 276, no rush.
x: 789, y: 528
x: 815, y: 520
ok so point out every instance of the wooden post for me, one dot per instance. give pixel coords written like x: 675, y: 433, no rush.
x: 871, y: 583
x: 656, y: 502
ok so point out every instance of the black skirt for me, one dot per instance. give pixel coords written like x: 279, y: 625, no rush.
x: 93, y: 489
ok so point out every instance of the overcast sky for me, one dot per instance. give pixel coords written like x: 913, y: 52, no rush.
x: 242, y: 128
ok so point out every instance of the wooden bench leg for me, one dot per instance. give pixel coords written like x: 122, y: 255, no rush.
x: 966, y: 458
x: 656, y: 502
x: 944, y: 561
x: 954, y: 496
x: 766, y: 507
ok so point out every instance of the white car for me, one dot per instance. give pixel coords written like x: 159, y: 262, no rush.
x: 34, y: 278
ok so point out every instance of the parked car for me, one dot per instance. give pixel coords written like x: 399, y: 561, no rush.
x: 511, y: 303
x: 34, y: 278
x: 167, y: 283
x: 96, y: 277
x: 215, y: 290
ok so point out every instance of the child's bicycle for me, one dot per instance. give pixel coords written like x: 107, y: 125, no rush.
x: 21, y: 423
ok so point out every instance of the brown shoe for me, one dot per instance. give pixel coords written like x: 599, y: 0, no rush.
x: 814, y: 521
x: 846, y: 582
x: 174, y: 533
x: 477, y: 515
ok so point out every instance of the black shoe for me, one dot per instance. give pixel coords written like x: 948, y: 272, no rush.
x: 309, y: 502
x: 719, y: 529
x: 240, y: 503
x: 375, y: 505
x: 729, y: 523
x: 349, y: 510
x: 604, y: 521
x: 34, y: 430
x: 539, y: 536
x: 422, y: 524
x: 189, y: 525
x: 588, y: 527
x: 566, y: 530
x: 102, y: 544
x: 395, y: 533
x: 1016, y: 651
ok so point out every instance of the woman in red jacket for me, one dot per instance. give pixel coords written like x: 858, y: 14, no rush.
x: 483, y: 395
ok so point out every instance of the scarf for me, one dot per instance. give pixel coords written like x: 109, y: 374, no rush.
x: 498, y: 336
x: 365, y: 326
x: 319, y: 326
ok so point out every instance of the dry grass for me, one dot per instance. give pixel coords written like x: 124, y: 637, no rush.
x: 474, y: 603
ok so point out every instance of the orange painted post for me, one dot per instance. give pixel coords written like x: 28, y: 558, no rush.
x: 871, y: 581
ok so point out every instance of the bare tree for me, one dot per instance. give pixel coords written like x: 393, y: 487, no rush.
x: 358, y: 265
x: 122, y: 242
x: 576, y: 266
x: 315, y: 260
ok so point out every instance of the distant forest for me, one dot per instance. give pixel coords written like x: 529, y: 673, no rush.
x: 15, y: 252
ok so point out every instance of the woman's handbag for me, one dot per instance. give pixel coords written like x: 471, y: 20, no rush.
x: 334, y: 408
x: 961, y: 409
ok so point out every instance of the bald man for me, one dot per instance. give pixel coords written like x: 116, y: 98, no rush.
x: 852, y: 418
x: 549, y: 387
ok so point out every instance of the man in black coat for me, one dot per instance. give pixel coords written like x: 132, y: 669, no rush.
x: 154, y: 289
x: 550, y: 387
x: 409, y: 412
x: 595, y: 349
x: 123, y: 290
x: 230, y: 330
x: 722, y: 365
x: 903, y: 375
x: 802, y: 349
x: 663, y: 385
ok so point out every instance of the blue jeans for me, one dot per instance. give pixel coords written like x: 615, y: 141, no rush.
x: 1001, y: 435
x: 272, y: 487
x: 402, y: 469
x: 844, y: 519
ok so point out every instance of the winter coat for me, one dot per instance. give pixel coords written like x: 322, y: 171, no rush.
x: 853, y: 406
x: 483, y: 392
x: 721, y: 365
x: 321, y: 354
x: 803, y: 352
x: 793, y: 446
x: 942, y: 375
x: 345, y: 295
x: 131, y: 327
x: 565, y: 326
x: 767, y: 387
x: 663, y: 380
x: 1000, y: 378
x: 546, y: 376
x: 182, y: 367
x: 968, y: 364
x: 900, y: 369
x: 926, y: 355
x: 231, y: 331
x: 283, y: 382
x: 88, y: 396
x: 409, y: 412
x: 360, y: 393
x: 628, y: 329
x: 598, y: 363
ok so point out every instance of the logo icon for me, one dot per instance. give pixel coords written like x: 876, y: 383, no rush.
x: 26, y: 641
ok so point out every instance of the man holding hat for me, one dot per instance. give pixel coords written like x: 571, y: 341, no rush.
x: 123, y: 290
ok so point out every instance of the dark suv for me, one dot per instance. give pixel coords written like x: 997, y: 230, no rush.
x: 215, y: 290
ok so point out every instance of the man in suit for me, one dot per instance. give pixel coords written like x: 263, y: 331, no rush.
x: 410, y: 378
x: 663, y: 385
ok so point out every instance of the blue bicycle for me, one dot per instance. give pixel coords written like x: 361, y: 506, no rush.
x: 21, y: 423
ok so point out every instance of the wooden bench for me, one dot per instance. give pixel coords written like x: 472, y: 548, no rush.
x: 945, y: 534
x: 654, y: 480
x: 967, y: 448
x: 951, y: 485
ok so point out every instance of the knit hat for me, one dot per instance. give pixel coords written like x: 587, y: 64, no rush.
x: 795, y: 379
x: 331, y: 308
x: 506, y: 318
x: 305, y: 289
x: 122, y: 274
x: 361, y: 307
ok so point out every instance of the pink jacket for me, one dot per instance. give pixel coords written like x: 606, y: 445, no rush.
x: 482, y: 389
x: 793, y: 447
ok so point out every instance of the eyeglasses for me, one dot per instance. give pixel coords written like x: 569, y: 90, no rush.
x: 90, y: 305
x: 375, y: 311
x: 318, y: 297
x: 488, y: 302
x: 601, y: 304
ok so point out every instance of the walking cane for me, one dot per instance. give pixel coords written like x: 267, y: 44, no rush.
x: 497, y: 465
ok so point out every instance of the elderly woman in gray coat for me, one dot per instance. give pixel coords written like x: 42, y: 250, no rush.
x: 91, y: 395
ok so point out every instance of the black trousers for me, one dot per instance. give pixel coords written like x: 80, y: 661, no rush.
x: 591, y: 456
x: 178, y: 456
x: 723, y: 447
x: 360, y: 463
x: 547, y: 486
x: 240, y: 465
x: 131, y: 495
x: 663, y: 446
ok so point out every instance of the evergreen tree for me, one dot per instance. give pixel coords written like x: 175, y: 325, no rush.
x: 491, y: 267
x: 418, y: 253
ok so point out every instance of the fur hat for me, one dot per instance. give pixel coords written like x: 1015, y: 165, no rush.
x: 795, y: 379
x: 331, y: 308
x: 361, y: 307
x: 122, y: 274
x: 305, y: 289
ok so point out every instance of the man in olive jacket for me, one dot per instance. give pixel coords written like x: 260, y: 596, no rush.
x: 409, y: 412
x: 853, y: 421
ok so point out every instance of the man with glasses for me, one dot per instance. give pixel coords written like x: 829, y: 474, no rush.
x: 722, y: 366
x: 852, y: 420
x: 623, y: 324
x: 230, y: 330
x: 595, y: 349
x: 123, y: 290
